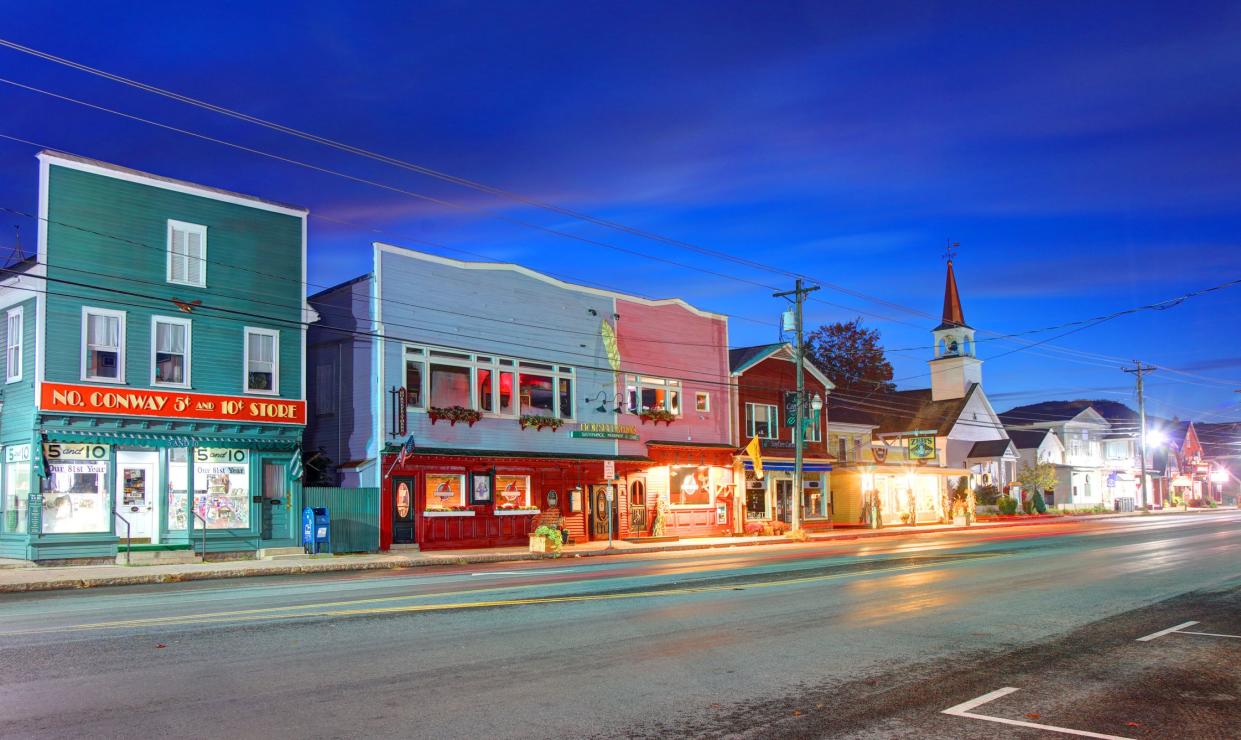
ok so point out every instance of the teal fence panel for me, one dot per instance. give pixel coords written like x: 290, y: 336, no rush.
x: 354, y: 514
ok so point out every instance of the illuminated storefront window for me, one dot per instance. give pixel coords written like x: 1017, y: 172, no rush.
x: 512, y: 490
x: 222, y: 487
x: 75, y: 494
x: 445, y: 490
x: 178, y: 488
x: 691, y: 485
x: 13, y: 510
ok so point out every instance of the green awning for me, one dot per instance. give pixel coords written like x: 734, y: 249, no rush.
x: 156, y: 439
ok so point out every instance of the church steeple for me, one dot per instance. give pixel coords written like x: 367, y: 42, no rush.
x: 955, y: 368
x: 953, y: 315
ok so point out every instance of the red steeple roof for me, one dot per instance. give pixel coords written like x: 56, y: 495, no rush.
x: 953, y: 315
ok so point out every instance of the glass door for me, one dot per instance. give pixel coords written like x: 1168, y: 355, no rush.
x: 135, y: 501
x: 274, y: 521
x: 784, y: 500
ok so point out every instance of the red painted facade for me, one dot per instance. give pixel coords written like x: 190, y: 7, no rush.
x: 671, y: 341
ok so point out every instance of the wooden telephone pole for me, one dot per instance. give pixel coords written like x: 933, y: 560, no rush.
x: 1140, y: 371
x: 798, y: 297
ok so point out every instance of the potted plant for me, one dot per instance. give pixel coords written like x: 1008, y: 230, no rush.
x: 656, y: 415
x: 538, y: 422
x: 546, y: 539
x: 454, y: 414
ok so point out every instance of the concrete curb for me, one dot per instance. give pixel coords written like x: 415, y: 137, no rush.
x: 396, y: 562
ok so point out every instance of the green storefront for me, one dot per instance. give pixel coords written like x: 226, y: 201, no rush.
x: 154, y: 383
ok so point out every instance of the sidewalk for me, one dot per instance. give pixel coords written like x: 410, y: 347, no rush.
x: 19, y: 576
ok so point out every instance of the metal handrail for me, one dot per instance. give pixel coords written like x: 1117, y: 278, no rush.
x: 200, y: 518
x: 129, y: 541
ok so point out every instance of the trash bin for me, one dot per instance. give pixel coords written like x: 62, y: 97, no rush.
x: 316, y: 530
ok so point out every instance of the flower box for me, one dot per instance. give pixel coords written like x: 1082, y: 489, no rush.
x: 454, y: 414
x: 516, y: 512
x: 538, y: 423
x: 540, y: 544
x: 657, y: 415
x: 469, y: 512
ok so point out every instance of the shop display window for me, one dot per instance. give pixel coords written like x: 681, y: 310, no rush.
x: 691, y: 485
x: 178, y: 488
x: 814, y: 498
x: 512, y: 491
x: 445, y: 491
x: 755, y: 498
x: 222, y: 488
x: 75, y: 497
x: 16, y: 499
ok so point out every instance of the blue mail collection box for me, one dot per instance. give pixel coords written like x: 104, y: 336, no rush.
x: 316, y: 529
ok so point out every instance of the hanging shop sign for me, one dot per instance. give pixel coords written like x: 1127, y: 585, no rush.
x: 89, y: 399
x: 604, y: 431
x: 921, y: 448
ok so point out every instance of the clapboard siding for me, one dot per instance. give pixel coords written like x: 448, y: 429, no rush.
x: 110, y: 235
x: 17, y: 416
x: 498, y: 311
x: 675, y: 342
x: 339, y: 341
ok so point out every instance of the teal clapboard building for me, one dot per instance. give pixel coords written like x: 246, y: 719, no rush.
x: 153, y: 388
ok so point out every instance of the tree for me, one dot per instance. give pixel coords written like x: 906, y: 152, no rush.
x: 851, y: 356
x: 1037, y: 479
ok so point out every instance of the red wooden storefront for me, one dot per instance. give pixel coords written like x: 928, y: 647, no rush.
x: 428, y: 499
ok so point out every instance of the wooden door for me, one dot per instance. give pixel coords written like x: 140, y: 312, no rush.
x: 274, y: 517
x: 599, y: 512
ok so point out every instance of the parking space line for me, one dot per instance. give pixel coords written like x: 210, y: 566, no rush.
x: 1212, y: 634
x: 963, y: 710
x: 1168, y: 631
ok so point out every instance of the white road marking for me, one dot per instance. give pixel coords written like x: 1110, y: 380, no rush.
x: 1168, y: 631
x: 523, y: 572
x: 963, y: 710
x: 1212, y: 634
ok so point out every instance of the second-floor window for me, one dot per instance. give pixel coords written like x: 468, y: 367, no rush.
x: 187, y: 254
x: 502, y: 386
x: 761, y: 420
x: 653, y: 394
x: 13, y: 346
x: 170, y: 350
x: 262, y: 360
x: 103, y: 345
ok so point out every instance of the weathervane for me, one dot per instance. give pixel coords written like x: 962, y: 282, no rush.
x: 951, y: 250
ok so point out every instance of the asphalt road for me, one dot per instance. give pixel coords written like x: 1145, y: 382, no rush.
x: 868, y: 638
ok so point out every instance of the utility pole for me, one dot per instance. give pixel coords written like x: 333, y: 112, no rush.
x: 1140, y: 371
x: 797, y: 297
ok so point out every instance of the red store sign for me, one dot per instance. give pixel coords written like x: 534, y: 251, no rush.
x: 92, y: 399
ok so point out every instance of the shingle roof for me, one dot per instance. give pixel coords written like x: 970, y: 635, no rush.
x: 905, y: 411
x: 989, y: 448
x: 1028, y: 439
x: 742, y: 357
x: 1053, y: 411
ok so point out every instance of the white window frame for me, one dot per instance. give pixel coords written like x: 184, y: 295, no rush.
x: 495, y: 494
x: 13, y: 370
x: 476, y: 361
x: 705, y: 398
x: 245, y: 360
x: 635, y: 384
x: 189, y: 345
x: 188, y: 228
x: 773, y: 418
x: 88, y: 311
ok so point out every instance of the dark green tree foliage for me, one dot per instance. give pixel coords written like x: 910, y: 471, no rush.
x: 851, y: 356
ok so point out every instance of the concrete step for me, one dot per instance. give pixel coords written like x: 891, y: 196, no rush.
x: 279, y: 553
x: 158, y: 557
x: 405, y: 548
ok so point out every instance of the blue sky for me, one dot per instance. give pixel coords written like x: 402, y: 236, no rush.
x: 1086, y: 156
